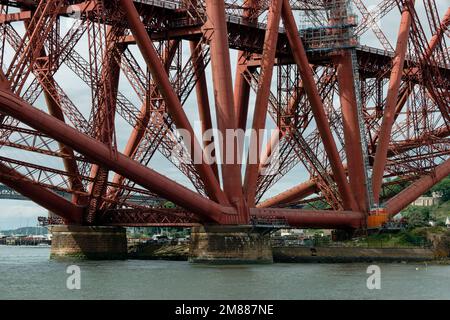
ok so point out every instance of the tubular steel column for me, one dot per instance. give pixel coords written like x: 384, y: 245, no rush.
x: 241, y: 92
x: 391, y: 102
x: 320, y: 116
x: 280, y: 134
x: 435, y: 40
x: 173, y: 103
x: 437, y: 37
x: 133, y: 143
x: 223, y: 93
x: 4, y: 84
x: 54, y: 109
x: 138, y: 132
x: 97, y: 152
x: 404, y: 94
x: 271, y: 147
x: 104, y: 119
x: 145, y: 112
x: 417, y: 188
x: 40, y: 195
x: 201, y: 90
x: 352, y: 136
x: 262, y: 99
x: 241, y: 86
x: 70, y: 163
x: 296, y: 193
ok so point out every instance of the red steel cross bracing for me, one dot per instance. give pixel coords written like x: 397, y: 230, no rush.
x: 160, y: 112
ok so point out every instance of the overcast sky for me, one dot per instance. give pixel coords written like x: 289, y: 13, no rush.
x: 15, y: 214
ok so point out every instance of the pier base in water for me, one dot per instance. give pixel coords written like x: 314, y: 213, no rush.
x: 93, y: 243
x: 229, y: 245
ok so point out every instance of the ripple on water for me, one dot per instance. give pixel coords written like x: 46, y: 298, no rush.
x: 27, y: 273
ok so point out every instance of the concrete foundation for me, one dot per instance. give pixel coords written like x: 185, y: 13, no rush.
x: 229, y: 245
x: 93, y: 243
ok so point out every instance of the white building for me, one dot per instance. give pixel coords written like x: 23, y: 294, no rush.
x: 447, y: 222
x: 291, y: 232
x: 435, y: 199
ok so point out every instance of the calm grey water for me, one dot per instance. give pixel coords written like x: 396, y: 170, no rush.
x: 27, y: 273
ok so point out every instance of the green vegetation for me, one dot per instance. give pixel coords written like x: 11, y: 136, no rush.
x: 402, y: 239
x: 317, y: 205
x: 417, y: 216
x: 390, y: 190
x: 444, y: 188
x: 420, y: 216
x: 419, y: 231
x: 25, y: 231
x: 441, y: 212
x: 417, y: 237
x: 391, y: 240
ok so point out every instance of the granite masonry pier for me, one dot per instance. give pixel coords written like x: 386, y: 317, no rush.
x: 93, y: 243
x: 229, y: 245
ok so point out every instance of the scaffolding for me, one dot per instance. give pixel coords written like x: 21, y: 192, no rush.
x: 335, y: 33
x: 329, y: 28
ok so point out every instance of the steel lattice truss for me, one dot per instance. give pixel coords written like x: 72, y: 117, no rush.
x: 92, y: 91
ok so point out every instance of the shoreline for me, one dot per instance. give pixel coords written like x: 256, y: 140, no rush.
x: 172, y: 253
x: 304, y: 254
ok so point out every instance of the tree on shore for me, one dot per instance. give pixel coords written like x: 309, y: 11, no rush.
x: 443, y: 188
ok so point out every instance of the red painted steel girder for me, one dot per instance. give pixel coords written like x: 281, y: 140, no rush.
x: 160, y: 217
x: 201, y: 89
x: 314, y: 218
x: 415, y: 141
x: 391, y: 102
x: 174, y: 106
x: 262, y: 99
x: 176, y: 218
x: 437, y: 37
x: 310, y: 187
x: 215, y: 29
x: 298, y: 192
x: 100, y: 153
x: 434, y: 136
x: 352, y: 136
x: 40, y: 195
x: 317, y: 108
x: 417, y: 188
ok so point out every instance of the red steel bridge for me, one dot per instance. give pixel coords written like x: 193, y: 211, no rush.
x: 91, y: 91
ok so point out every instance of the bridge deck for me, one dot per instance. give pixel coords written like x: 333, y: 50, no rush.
x: 174, y: 21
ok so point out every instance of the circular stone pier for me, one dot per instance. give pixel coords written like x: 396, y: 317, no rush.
x: 93, y: 243
x: 229, y: 245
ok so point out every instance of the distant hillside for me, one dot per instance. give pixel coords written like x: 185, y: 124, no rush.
x: 438, y: 213
x: 419, y: 216
x: 25, y: 231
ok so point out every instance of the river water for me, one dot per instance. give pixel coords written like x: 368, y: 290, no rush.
x: 27, y: 273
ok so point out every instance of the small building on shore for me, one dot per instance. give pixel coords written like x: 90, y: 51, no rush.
x: 2, y: 239
x: 423, y: 201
